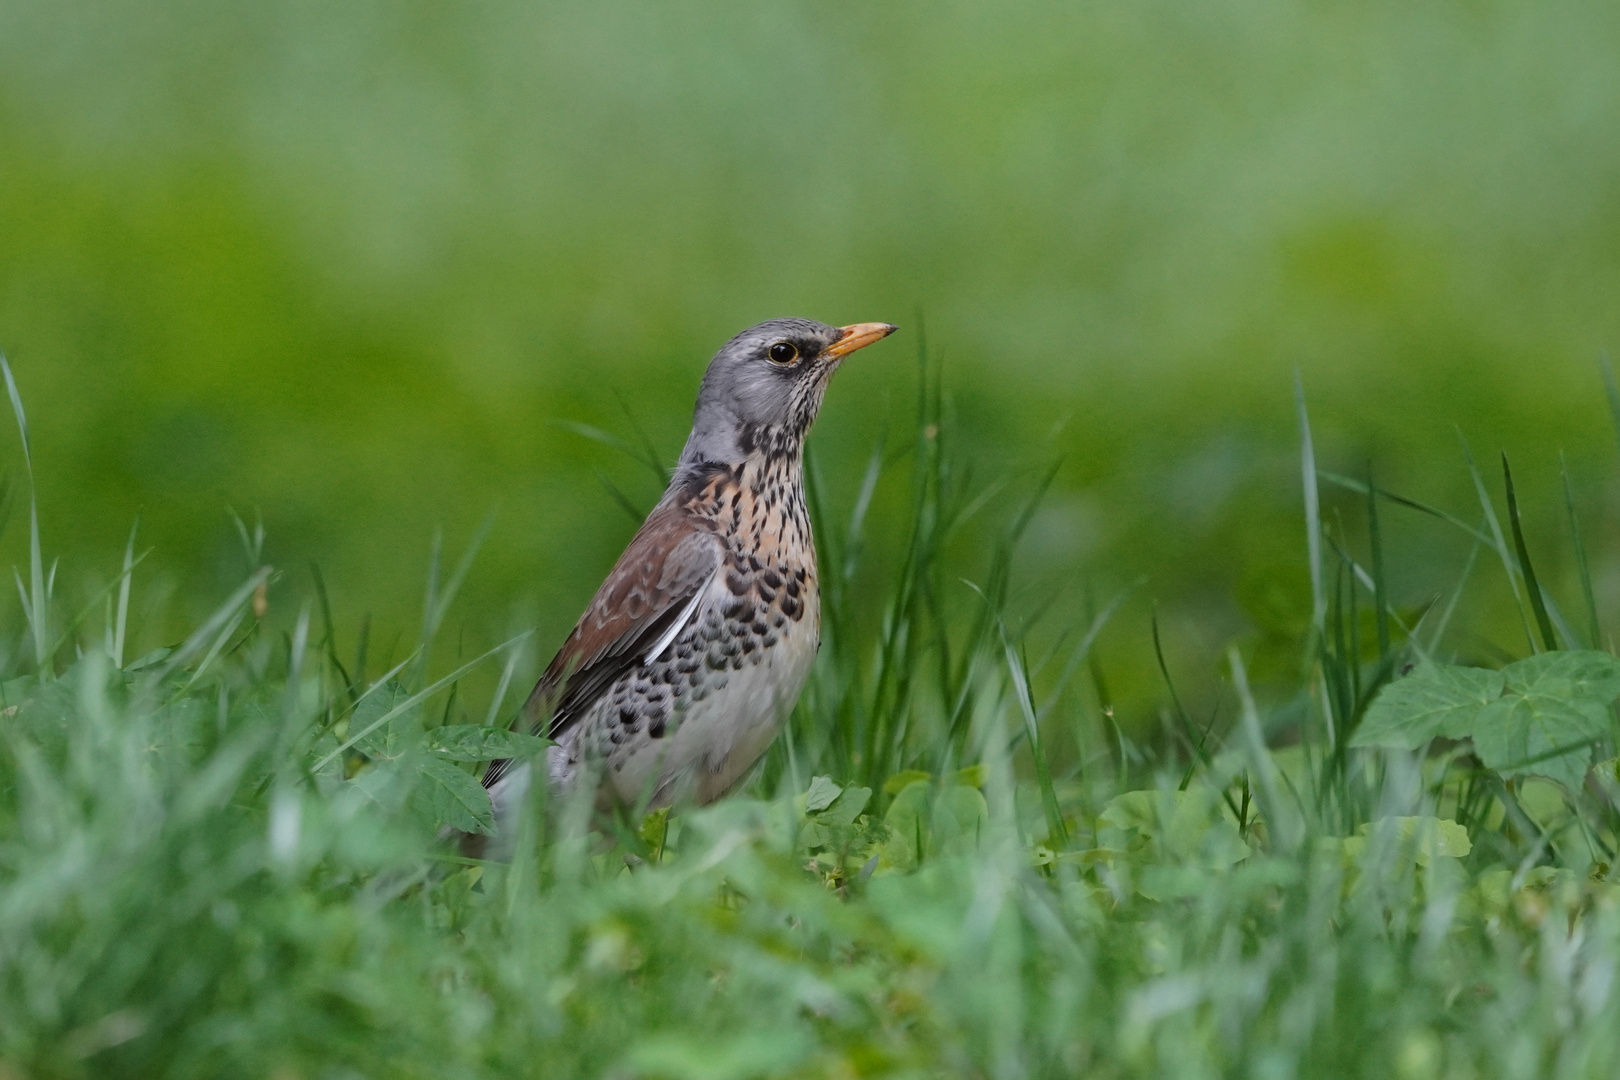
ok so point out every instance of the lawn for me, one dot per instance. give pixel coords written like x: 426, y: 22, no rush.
x: 229, y: 856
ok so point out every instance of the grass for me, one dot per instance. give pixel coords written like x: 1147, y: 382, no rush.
x: 225, y: 857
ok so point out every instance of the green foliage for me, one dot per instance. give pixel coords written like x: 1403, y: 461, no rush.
x: 235, y: 855
x: 1541, y: 715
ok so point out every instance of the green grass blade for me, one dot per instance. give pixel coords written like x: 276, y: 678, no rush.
x: 38, y: 606
x: 121, y: 620
x: 1313, y: 507
x: 223, y: 614
x: 1380, y: 585
x: 415, y: 699
x: 1043, y: 769
x: 1360, y: 488
x: 1499, y: 542
x: 1611, y: 389
x: 329, y: 631
x: 1537, y: 604
x: 1594, y: 625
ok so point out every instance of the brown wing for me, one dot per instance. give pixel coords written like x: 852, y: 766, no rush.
x: 651, y: 588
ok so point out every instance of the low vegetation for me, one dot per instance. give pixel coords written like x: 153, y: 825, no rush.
x: 229, y: 857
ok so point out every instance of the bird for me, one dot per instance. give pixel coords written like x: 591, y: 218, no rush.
x: 686, y: 663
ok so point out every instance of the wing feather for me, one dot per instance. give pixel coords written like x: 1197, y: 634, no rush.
x: 652, y: 592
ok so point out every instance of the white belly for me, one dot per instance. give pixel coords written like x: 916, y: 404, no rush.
x: 721, y: 737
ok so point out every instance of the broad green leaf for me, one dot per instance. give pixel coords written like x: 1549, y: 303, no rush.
x: 1434, y: 838
x: 897, y: 783
x: 821, y: 794
x: 1183, y: 826
x: 1435, y: 699
x: 926, y: 821
x: 384, y: 783
x: 959, y: 817
x: 401, y: 734
x: 479, y: 742
x: 1557, y: 706
x: 1548, y: 732
x: 450, y: 796
x: 847, y: 807
x: 1583, y: 672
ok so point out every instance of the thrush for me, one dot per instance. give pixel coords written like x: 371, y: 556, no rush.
x: 691, y: 655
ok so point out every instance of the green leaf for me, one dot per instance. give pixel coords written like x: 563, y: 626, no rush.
x: 897, y: 783
x: 1545, y: 734
x: 479, y: 742
x: 1557, y: 706
x: 450, y: 796
x: 925, y: 822
x: 821, y: 794
x: 1435, y: 699
x: 1434, y: 838
x: 1586, y: 672
x: 846, y: 808
x: 1182, y: 826
x: 401, y: 734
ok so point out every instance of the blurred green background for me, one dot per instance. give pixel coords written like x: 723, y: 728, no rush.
x: 358, y: 267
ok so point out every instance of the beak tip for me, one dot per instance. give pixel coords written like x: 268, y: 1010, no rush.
x: 859, y: 335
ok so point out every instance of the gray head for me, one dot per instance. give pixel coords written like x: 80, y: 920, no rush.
x: 764, y: 387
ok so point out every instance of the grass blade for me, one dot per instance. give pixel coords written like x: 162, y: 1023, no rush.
x: 1611, y: 389
x: 121, y: 620
x: 1313, y: 507
x: 1498, y: 542
x: 1043, y: 768
x: 1380, y: 586
x: 1594, y: 625
x: 1537, y: 604
x: 414, y: 700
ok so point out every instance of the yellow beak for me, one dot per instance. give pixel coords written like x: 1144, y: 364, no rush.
x: 858, y: 336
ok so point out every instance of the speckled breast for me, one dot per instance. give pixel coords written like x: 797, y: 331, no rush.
x: 691, y: 721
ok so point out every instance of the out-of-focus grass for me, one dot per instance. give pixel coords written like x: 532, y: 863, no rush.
x: 225, y: 857
x: 351, y: 267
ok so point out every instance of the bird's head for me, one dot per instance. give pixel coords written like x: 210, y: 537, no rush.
x: 764, y: 387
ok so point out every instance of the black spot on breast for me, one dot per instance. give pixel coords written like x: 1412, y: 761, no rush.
x: 772, y: 579
x: 656, y: 728
x: 736, y: 583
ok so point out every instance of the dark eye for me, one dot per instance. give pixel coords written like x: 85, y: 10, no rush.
x: 783, y: 352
